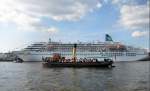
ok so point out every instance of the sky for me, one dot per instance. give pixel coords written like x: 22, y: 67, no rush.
x: 23, y: 22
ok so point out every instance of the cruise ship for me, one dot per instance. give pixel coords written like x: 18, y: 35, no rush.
x: 114, y: 50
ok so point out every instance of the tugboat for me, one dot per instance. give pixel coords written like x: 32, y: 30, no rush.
x: 58, y: 61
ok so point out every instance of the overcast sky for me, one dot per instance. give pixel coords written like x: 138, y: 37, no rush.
x: 23, y: 22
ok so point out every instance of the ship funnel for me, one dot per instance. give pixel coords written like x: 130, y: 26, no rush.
x: 74, y: 52
x: 108, y: 38
x: 50, y: 40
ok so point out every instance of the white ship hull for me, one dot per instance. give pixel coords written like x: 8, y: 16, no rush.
x: 37, y: 56
x: 114, y: 50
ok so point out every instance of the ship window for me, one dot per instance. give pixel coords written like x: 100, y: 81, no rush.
x: 130, y: 54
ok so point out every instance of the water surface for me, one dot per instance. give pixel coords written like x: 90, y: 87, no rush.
x: 32, y: 76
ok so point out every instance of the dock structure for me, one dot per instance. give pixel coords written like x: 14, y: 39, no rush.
x: 7, y: 57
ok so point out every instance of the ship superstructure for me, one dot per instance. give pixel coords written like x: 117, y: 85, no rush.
x: 115, y: 50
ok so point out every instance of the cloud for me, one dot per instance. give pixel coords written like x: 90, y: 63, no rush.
x: 135, y: 17
x: 51, y: 30
x: 128, y: 2
x: 28, y: 14
x: 115, y: 1
x: 61, y: 10
x: 99, y: 5
x: 139, y: 33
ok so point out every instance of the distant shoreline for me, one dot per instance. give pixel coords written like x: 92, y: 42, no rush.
x: 2, y: 60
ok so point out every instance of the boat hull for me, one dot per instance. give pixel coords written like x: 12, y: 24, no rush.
x: 78, y: 64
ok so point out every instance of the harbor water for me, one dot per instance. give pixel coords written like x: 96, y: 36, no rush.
x: 32, y: 76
